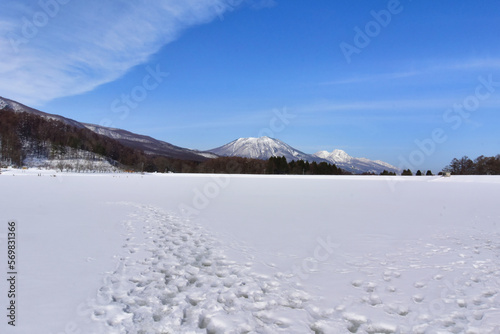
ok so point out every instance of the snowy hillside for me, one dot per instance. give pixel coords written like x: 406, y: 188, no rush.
x: 19, y: 107
x: 170, y: 253
x: 135, y: 141
x: 148, y: 144
x: 73, y: 161
x: 260, y: 148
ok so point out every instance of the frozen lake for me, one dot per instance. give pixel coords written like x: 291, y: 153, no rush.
x: 187, y: 253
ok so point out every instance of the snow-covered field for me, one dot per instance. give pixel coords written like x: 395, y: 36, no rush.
x: 172, y: 253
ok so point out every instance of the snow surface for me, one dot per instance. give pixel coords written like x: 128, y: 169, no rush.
x: 181, y: 253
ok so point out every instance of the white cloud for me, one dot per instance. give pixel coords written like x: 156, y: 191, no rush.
x: 71, y: 47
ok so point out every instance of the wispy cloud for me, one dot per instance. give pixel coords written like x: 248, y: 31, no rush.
x: 378, y: 105
x: 426, y: 68
x: 71, y: 48
x: 472, y: 64
x: 374, y: 77
x: 399, y: 105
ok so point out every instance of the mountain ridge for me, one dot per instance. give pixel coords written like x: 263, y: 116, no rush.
x: 255, y: 148
x: 144, y: 143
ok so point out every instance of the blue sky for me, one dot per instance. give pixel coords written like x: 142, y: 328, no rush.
x: 385, y: 80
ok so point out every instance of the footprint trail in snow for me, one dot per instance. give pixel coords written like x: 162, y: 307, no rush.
x: 185, y: 284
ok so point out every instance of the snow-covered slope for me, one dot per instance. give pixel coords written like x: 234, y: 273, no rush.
x: 357, y: 165
x: 148, y: 144
x: 260, y: 148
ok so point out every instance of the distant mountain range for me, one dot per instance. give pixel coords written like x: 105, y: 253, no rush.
x: 356, y: 165
x: 256, y: 148
x: 265, y: 147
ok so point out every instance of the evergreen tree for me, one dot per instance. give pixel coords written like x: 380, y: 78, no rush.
x: 407, y: 172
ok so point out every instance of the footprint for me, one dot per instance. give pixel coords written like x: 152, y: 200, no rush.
x: 438, y: 277
x: 370, y: 287
x: 390, y: 288
x: 357, y: 283
x: 419, y: 285
x: 381, y: 329
x: 355, y: 321
x: 418, y: 298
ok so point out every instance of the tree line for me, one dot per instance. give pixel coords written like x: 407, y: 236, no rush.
x: 238, y: 165
x: 279, y: 165
x: 480, y: 166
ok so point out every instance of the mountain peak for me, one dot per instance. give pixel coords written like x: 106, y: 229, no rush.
x: 257, y: 139
x: 260, y: 148
x: 336, y: 156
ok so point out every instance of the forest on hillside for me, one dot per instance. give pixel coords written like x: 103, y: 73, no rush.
x: 25, y: 135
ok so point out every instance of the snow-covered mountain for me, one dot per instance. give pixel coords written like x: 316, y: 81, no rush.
x: 260, y: 148
x: 336, y: 156
x: 357, y: 165
x: 265, y: 147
